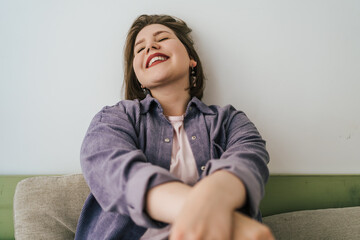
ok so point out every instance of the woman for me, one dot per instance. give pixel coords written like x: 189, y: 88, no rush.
x: 162, y: 162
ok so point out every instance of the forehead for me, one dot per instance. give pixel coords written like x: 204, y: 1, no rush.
x: 151, y: 29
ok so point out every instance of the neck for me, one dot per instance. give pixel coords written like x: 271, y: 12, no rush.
x: 173, y: 103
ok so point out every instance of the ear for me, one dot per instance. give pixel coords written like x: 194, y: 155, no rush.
x: 193, y: 63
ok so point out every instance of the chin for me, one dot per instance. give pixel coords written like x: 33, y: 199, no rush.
x: 158, y: 80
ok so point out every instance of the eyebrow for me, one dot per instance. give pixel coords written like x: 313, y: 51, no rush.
x: 155, y: 34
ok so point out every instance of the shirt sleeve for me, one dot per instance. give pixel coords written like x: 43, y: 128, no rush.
x: 116, y: 170
x: 243, y: 154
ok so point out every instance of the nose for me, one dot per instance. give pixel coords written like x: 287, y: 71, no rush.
x: 152, y: 46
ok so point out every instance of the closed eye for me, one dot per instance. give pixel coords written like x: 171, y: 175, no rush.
x: 140, y: 50
x: 163, y: 39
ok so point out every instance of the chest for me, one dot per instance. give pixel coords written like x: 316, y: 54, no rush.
x: 155, y: 137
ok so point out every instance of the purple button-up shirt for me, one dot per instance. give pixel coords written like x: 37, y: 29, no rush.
x: 127, y: 151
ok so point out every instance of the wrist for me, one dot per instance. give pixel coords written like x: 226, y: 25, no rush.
x: 164, y: 202
x: 224, y: 186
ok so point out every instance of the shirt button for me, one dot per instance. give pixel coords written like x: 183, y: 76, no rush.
x: 167, y: 140
x: 193, y: 137
x: 202, y: 168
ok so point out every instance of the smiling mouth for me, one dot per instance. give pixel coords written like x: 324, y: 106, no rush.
x: 155, y: 59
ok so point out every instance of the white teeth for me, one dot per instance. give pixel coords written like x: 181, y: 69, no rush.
x: 157, y: 58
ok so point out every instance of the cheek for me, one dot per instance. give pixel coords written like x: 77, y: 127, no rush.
x: 183, y: 55
x: 137, y: 65
x: 138, y: 68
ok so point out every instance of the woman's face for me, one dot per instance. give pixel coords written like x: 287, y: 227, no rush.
x: 160, y: 58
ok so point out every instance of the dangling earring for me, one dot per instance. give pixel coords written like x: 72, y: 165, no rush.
x: 145, y: 90
x: 193, y: 77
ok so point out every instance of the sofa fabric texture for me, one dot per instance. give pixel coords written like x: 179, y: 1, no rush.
x: 48, y: 207
x: 332, y: 223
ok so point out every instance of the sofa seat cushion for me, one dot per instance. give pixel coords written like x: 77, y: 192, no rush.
x: 332, y: 223
x: 48, y: 207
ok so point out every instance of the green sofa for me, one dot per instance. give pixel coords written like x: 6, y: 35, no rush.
x: 294, y: 207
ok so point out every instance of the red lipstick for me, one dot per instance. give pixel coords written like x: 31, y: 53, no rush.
x: 155, y: 55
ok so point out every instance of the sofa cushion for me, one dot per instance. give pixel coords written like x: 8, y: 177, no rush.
x: 48, y: 207
x: 332, y: 223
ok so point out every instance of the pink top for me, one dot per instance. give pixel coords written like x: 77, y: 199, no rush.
x: 183, y: 163
x: 182, y: 166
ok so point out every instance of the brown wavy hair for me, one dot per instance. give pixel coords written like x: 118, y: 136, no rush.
x: 182, y: 31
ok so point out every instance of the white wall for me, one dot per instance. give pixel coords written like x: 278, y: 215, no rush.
x: 292, y: 66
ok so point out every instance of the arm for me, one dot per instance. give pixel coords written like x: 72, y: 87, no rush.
x: 193, y: 218
x: 164, y: 202
x: 116, y: 171
x: 244, y: 155
x: 236, y: 180
x: 207, y: 212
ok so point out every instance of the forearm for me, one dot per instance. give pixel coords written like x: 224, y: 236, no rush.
x: 225, y: 185
x: 209, y: 207
x: 164, y: 202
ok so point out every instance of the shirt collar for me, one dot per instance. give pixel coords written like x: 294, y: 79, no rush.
x: 149, y: 103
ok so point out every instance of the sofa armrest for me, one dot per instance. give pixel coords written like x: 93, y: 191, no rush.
x: 49, y: 203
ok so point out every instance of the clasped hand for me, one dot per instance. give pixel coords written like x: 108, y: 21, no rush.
x: 208, y: 212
